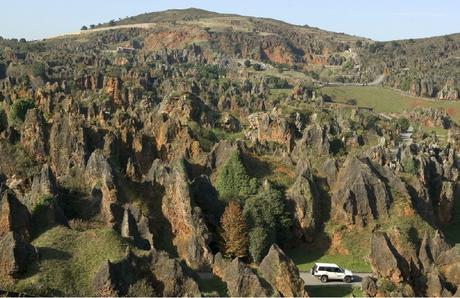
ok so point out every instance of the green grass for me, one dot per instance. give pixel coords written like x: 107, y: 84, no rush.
x: 335, y: 291
x: 386, y: 100
x: 69, y: 260
x: 305, y: 258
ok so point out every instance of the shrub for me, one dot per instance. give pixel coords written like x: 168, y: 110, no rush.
x: 234, y: 231
x: 403, y: 124
x: 141, y: 289
x: 42, y: 203
x: 83, y: 28
x: 233, y: 182
x: 19, y: 109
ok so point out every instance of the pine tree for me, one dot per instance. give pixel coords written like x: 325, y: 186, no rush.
x: 234, y: 231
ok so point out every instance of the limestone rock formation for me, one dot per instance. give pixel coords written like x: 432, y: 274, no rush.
x: 14, y: 216
x: 385, y: 260
x: 33, y: 135
x: 303, y: 200
x: 281, y: 272
x: 15, y: 255
x: 272, y: 128
x: 190, y: 233
x: 360, y: 195
x: 172, y: 276
x: 240, y: 279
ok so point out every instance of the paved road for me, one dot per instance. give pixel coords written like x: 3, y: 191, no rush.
x: 310, y: 280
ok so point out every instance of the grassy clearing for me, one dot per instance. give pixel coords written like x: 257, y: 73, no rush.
x: 306, y: 257
x: 386, y: 100
x: 268, y: 167
x: 335, y: 291
x: 69, y: 260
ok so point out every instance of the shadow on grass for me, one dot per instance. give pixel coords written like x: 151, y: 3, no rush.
x: 305, y: 255
x: 333, y: 291
x: 212, y: 286
x: 48, y: 253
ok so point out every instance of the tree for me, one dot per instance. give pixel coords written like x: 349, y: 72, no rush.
x: 233, y: 182
x: 112, y: 23
x: 23, y: 40
x: 266, y: 211
x: 83, y: 28
x: 92, y: 26
x: 259, y: 244
x: 234, y: 231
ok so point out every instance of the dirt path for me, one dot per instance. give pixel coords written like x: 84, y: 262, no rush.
x: 310, y: 280
x: 140, y: 25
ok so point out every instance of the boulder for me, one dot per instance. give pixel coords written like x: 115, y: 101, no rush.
x: 15, y: 255
x: 281, y: 272
x: 369, y: 286
x: 240, y: 279
x: 360, y: 196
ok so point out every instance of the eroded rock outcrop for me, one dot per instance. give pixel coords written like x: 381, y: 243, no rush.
x: 14, y: 216
x: 277, y: 269
x: 303, y: 200
x: 240, y: 279
x: 385, y: 260
x: 360, y: 195
x: 189, y: 231
x: 15, y: 255
x: 264, y: 127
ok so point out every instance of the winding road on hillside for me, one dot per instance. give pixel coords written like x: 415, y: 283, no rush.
x: 375, y: 82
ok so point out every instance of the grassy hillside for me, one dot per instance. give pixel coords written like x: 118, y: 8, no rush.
x: 387, y: 100
x: 69, y: 260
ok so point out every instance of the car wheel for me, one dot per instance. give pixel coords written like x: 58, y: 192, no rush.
x: 347, y: 279
x: 324, y: 278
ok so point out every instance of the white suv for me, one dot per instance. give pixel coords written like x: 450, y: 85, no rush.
x: 328, y: 271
